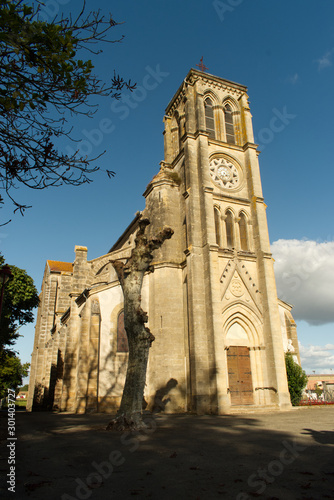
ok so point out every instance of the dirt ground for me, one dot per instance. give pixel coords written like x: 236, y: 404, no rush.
x: 281, y: 455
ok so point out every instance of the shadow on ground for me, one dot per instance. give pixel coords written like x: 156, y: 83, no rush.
x: 283, y: 455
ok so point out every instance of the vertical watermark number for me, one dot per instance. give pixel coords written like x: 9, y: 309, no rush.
x: 11, y: 441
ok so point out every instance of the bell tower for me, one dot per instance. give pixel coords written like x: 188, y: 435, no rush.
x: 234, y: 342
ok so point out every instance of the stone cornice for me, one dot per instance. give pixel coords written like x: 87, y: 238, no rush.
x: 227, y: 145
x: 245, y: 255
x: 159, y: 265
x: 180, y: 94
x: 195, y: 75
x: 202, y: 133
x: 241, y: 254
x: 160, y: 182
x: 210, y: 81
x: 228, y: 199
x: 250, y: 145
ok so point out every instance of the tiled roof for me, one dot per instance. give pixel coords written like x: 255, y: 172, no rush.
x: 58, y: 266
x: 319, y: 379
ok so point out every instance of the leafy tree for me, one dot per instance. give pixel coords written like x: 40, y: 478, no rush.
x: 19, y: 300
x: 11, y: 374
x: 297, y: 379
x: 24, y: 388
x: 44, y: 81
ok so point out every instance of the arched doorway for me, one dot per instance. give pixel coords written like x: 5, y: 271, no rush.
x: 239, y: 366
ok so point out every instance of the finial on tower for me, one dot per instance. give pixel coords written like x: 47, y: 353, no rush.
x: 201, y: 65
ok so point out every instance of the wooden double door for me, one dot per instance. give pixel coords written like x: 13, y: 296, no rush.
x: 240, y: 375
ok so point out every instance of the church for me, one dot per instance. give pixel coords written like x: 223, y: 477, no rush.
x: 220, y: 330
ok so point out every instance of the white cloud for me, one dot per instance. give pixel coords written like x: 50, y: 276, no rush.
x: 317, y: 358
x: 326, y: 60
x: 304, y: 273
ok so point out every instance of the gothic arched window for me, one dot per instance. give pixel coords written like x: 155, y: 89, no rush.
x: 217, y: 226
x: 122, y: 339
x: 243, y: 232
x: 229, y: 229
x: 229, y: 125
x: 209, y: 118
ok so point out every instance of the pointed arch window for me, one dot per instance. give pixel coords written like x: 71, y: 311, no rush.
x: 229, y: 230
x: 122, y: 339
x: 179, y: 130
x: 217, y: 226
x: 182, y: 130
x: 243, y: 232
x: 209, y: 118
x: 175, y: 133
x: 229, y: 125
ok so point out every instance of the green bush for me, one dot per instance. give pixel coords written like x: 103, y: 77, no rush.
x: 11, y: 373
x: 297, y: 379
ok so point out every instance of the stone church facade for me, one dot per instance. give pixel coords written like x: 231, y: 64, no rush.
x: 220, y: 330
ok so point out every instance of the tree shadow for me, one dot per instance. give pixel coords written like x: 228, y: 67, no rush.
x: 160, y: 401
x: 322, y: 437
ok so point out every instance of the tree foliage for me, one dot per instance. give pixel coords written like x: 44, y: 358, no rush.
x: 11, y: 374
x: 45, y: 80
x: 297, y: 379
x: 19, y: 300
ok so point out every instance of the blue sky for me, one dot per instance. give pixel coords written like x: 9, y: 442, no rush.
x: 284, y: 53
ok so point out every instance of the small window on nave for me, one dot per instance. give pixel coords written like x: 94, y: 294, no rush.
x: 209, y: 118
x: 229, y: 125
x: 122, y: 339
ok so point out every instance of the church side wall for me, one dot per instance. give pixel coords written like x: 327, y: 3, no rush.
x: 40, y: 374
x: 112, y: 365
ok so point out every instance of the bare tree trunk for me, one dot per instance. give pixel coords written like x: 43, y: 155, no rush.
x: 140, y: 338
